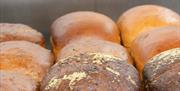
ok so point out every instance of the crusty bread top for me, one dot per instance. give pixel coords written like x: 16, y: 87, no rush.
x: 25, y: 57
x: 42, y: 55
x: 93, y: 45
x: 161, y: 62
x: 142, y: 18
x: 91, y: 71
x: 150, y: 43
x: 13, y: 81
x: 162, y: 72
x: 10, y: 31
x: 83, y: 23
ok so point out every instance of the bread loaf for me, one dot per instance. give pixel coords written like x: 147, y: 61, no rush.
x: 162, y: 72
x: 82, y: 23
x: 26, y: 58
x: 152, y: 42
x: 91, y: 72
x: 10, y: 31
x: 13, y: 81
x: 144, y: 18
x: 93, y: 45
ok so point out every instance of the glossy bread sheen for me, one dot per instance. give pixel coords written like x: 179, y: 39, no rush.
x: 93, y: 45
x: 10, y: 31
x: 82, y: 23
x: 91, y: 72
x: 153, y: 42
x: 25, y: 57
x: 13, y: 81
x: 143, y: 18
x: 162, y: 72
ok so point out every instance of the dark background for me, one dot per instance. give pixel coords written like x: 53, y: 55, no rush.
x: 40, y: 14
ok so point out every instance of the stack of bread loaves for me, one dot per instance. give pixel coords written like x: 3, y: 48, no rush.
x: 147, y: 31
x: 89, y: 56
x: 23, y: 62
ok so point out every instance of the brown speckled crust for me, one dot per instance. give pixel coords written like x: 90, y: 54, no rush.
x: 25, y: 57
x: 153, y: 42
x: 93, y: 45
x: 143, y: 18
x: 91, y: 72
x: 13, y: 81
x: 162, y: 72
x: 10, y: 31
x: 82, y: 23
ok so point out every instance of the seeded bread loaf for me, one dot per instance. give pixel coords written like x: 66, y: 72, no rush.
x: 162, y: 72
x: 93, y: 45
x: 91, y: 72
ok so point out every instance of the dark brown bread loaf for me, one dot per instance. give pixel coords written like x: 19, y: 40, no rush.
x: 152, y: 42
x: 93, y: 45
x: 10, y: 31
x: 91, y: 72
x: 13, y: 81
x: 162, y: 72
x: 25, y: 57
x: 82, y: 23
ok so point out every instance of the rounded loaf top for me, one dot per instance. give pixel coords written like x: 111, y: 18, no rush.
x: 15, y: 31
x: 82, y: 23
x: 143, y: 18
x: 91, y: 71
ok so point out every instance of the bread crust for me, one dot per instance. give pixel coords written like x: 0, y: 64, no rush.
x: 93, y: 45
x: 15, y: 31
x: 91, y: 72
x: 162, y: 72
x: 153, y: 42
x: 13, y: 81
x: 25, y: 57
x: 82, y: 23
x: 143, y: 18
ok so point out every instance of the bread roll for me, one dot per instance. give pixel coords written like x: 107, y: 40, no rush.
x: 144, y: 18
x: 25, y: 57
x: 152, y: 42
x: 13, y: 81
x: 162, y: 72
x: 10, y: 31
x: 93, y: 45
x: 91, y: 72
x: 82, y: 23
